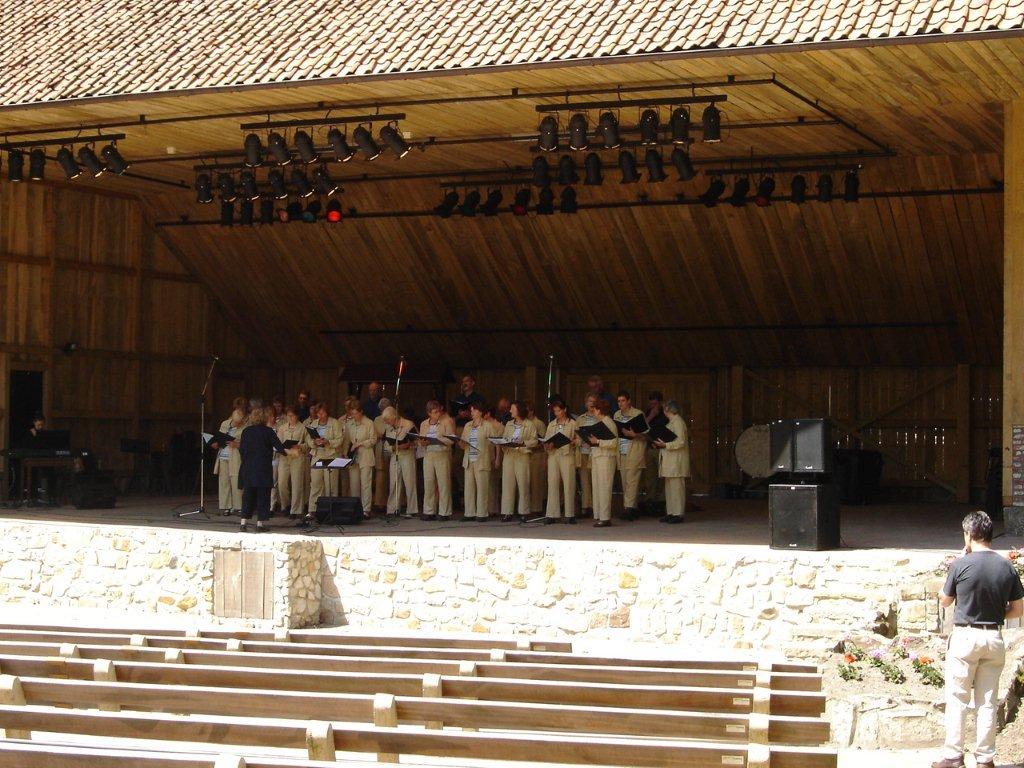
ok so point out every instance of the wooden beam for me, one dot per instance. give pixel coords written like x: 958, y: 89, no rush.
x: 963, y: 433
x: 1013, y: 283
x: 98, y: 268
x: 904, y: 401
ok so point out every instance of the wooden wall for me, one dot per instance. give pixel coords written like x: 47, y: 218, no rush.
x: 85, y: 267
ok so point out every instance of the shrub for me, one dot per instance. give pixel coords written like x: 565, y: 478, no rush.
x: 850, y: 672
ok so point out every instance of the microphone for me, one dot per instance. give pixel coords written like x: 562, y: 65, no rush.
x: 216, y: 358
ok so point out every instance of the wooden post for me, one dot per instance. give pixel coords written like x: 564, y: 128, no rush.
x: 735, y: 417
x: 69, y: 651
x: 1013, y: 282
x: 432, y: 689
x: 12, y: 695
x: 385, y: 715
x: 103, y: 672
x: 320, y: 741
x: 963, y: 433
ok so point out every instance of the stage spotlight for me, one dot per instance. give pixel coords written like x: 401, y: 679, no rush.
x: 608, y: 125
x: 649, y: 125
x: 740, y: 190
x: 247, y: 181
x: 825, y: 188
x: 277, y: 185
x: 68, y: 164
x: 389, y: 135
x: 204, y: 189
x: 334, y: 214
x: 798, y: 189
x: 115, y: 163
x: 312, y: 212
x: 547, y: 134
x: 279, y: 149
x: 301, y: 183
x: 226, y: 186
x: 679, y: 124
x: 655, y: 166
x: 339, y: 143
x: 365, y: 142
x: 567, y: 203
x: 470, y: 203
x: 592, y: 170
x: 683, y: 166
x: 578, y: 132
x: 293, y: 212
x: 305, y: 147
x: 15, y: 165
x: 227, y: 213
x: 448, y: 203
x: 37, y: 164
x: 765, y: 188
x: 627, y: 167
x: 541, y: 172
x: 492, y: 203
x: 87, y: 157
x: 546, y: 202
x: 714, y: 191
x: 253, y: 150
x: 267, y: 210
x: 245, y: 212
x: 521, y: 205
x: 325, y: 185
x: 567, y: 170
x: 711, y: 121
x: 851, y: 187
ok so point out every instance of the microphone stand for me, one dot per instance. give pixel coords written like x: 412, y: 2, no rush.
x: 201, y: 509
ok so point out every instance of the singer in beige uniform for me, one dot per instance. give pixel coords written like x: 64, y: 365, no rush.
x: 494, y: 497
x: 478, y: 457
x: 538, y: 465
x: 632, y: 449
x: 292, y: 487
x: 515, y: 463
x: 674, y: 465
x: 229, y: 463
x: 437, y: 462
x: 381, y: 486
x: 277, y: 406
x: 602, y: 466
x: 561, y: 469
x: 323, y: 482
x: 402, y: 460
x: 586, y: 419
x: 362, y: 438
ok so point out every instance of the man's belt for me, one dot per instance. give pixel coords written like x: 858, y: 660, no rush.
x: 992, y: 627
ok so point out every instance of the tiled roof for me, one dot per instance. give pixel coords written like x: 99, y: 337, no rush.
x: 54, y: 49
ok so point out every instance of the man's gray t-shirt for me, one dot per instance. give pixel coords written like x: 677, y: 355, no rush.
x: 982, y: 583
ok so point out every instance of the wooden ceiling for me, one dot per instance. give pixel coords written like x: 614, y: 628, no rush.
x: 889, y: 280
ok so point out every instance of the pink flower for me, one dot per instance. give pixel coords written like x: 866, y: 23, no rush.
x: 877, y: 654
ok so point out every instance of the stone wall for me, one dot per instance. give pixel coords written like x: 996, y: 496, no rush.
x: 135, y: 570
x: 800, y: 603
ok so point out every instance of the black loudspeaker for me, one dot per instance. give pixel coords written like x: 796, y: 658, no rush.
x: 339, y: 510
x: 93, y: 490
x: 803, y: 517
x: 800, y: 445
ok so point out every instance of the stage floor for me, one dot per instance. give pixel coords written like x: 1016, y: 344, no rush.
x: 910, y: 526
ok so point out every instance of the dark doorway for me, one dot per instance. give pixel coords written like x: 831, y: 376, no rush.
x: 26, y: 400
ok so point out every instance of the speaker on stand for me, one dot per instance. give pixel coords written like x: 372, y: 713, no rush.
x: 804, y: 513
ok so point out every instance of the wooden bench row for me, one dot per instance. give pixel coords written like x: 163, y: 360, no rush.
x: 322, y: 637
x: 285, y: 646
x: 428, y: 709
x: 464, y: 685
x: 322, y: 740
x: 704, y: 677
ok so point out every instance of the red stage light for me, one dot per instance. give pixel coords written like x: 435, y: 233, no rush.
x: 334, y: 211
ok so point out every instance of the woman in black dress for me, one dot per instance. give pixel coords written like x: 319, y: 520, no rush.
x: 256, y: 476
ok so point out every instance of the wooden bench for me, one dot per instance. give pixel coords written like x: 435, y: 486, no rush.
x: 322, y: 740
x: 790, y: 681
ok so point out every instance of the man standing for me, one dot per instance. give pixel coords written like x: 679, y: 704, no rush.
x: 466, y: 397
x: 371, y: 405
x: 986, y: 590
x: 595, y: 387
x: 302, y: 405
